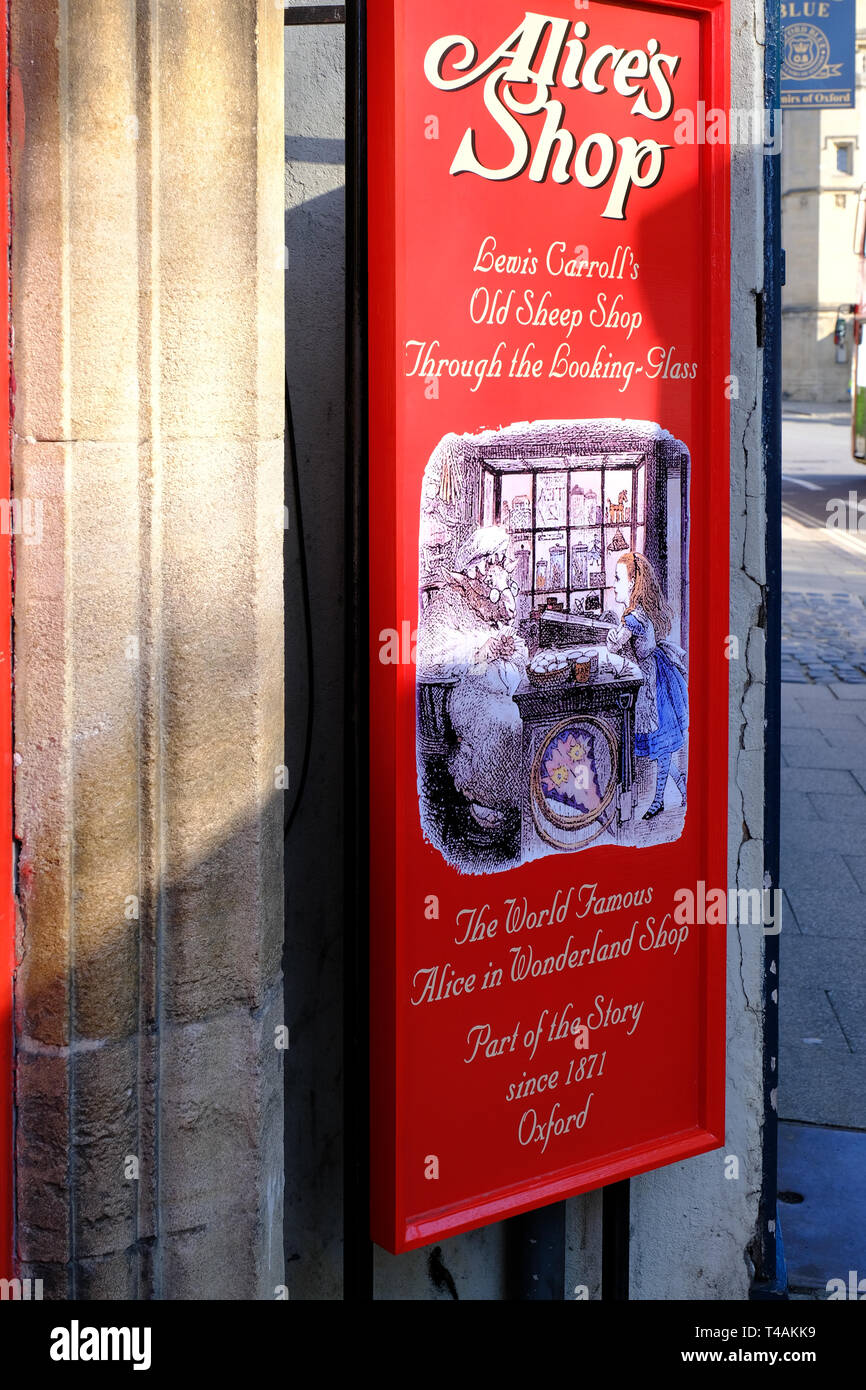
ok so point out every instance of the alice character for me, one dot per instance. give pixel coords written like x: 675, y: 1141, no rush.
x: 662, y: 706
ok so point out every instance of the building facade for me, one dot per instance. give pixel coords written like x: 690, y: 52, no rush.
x: 823, y: 169
x: 179, y: 218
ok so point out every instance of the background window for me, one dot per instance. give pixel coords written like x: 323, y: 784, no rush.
x: 844, y: 157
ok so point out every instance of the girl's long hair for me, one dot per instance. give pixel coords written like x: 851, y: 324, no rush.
x: 646, y: 592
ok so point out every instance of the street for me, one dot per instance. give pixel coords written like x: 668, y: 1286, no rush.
x: 822, y: 1088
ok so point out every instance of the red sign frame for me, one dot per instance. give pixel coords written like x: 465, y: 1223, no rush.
x: 7, y: 901
x: 462, y: 457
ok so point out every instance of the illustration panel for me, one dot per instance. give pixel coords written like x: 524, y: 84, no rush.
x: 552, y: 653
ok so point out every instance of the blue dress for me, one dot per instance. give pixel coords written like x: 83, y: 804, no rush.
x: 662, y: 707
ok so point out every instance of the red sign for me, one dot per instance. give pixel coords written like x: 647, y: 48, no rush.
x: 548, y: 353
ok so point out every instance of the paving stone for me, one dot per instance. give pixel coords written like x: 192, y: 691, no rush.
x: 805, y: 1013
x: 806, y: 694
x: 828, y: 913
x: 805, y: 872
x: 849, y: 692
x: 824, y: 721
x: 830, y: 972
x: 820, y: 960
x: 789, y: 916
x: 851, y: 738
x: 795, y: 805
x: 823, y: 1233
x: 857, y: 864
x: 829, y: 1085
x: 846, y: 997
x: 844, y: 815
x: 804, y: 733
x: 801, y: 836
x: 809, y: 696
x: 830, y: 808
x: 822, y: 754
x: 837, y: 781
x: 814, y: 694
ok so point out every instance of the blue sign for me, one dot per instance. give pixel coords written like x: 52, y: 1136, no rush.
x: 818, y: 39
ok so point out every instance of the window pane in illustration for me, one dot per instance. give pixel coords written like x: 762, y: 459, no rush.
x: 516, y: 506
x: 613, y: 556
x: 582, y: 542
x: 618, y: 496
x: 489, y: 490
x: 640, y: 495
x: 551, y: 504
x: 550, y: 557
x: 585, y: 498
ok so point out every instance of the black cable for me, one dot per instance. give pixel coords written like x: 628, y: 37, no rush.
x: 315, y: 14
x: 292, y: 455
x: 358, y: 1260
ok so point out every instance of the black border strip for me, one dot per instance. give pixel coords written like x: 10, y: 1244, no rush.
x: 770, y: 1278
x: 358, y: 1248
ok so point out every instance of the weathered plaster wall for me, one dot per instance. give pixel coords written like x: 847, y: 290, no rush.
x: 691, y: 1226
x: 148, y: 315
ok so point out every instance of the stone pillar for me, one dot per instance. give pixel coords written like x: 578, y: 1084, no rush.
x: 148, y: 317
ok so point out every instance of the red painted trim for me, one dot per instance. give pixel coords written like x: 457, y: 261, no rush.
x: 7, y: 905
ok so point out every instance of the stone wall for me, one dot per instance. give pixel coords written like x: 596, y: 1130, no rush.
x: 148, y: 318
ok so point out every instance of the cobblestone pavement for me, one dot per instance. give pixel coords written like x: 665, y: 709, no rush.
x: 823, y: 638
